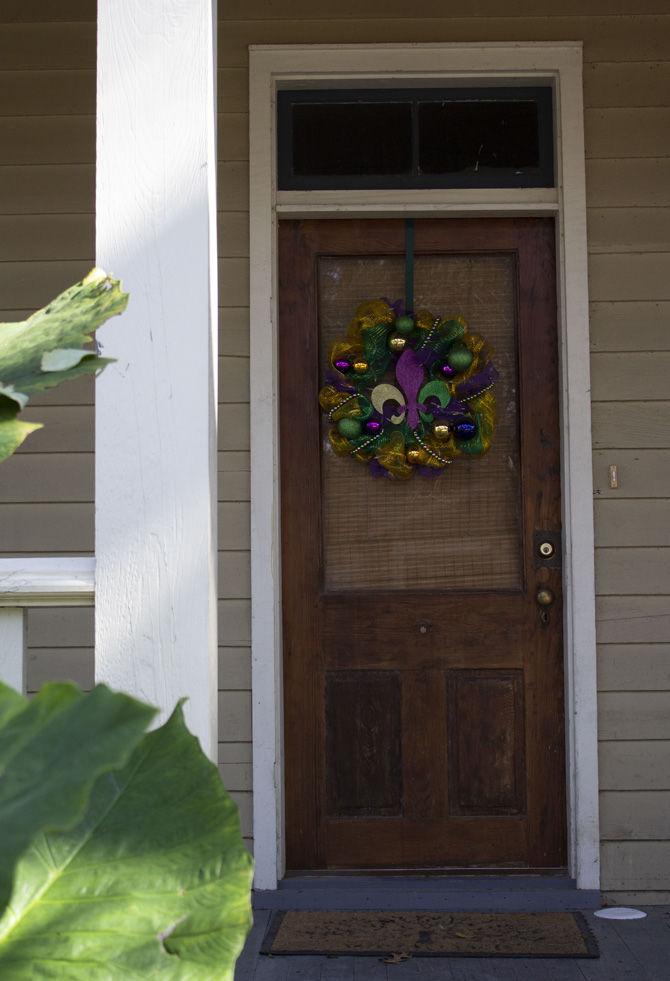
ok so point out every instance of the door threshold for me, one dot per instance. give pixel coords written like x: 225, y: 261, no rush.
x: 429, y: 872
x: 489, y: 893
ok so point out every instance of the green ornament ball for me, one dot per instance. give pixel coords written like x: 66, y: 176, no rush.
x: 349, y: 428
x: 459, y: 357
x: 404, y: 324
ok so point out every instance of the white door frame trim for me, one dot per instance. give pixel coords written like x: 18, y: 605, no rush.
x: 421, y: 64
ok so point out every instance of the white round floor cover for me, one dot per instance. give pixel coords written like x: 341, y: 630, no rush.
x: 620, y: 913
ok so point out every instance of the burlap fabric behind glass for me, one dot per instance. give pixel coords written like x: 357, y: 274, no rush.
x: 460, y: 530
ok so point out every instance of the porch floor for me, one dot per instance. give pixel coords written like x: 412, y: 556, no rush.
x: 636, y: 950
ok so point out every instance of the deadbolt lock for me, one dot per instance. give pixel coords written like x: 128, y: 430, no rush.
x: 547, y: 549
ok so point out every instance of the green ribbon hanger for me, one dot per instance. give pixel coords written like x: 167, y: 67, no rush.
x: 409, y: 265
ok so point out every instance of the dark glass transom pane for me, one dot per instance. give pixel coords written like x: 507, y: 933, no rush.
x: 352, y: 138
x: 474, y: 136
x: 415, y: 138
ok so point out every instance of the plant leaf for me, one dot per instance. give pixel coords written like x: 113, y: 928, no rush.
x: 10, y: 703
x: 52, y: 750
x: 64, y: 358
x: 11, y: 401
x: 45, y: 349
x: 153, y: 882
x: 12, y: 434
x: 67, y: 322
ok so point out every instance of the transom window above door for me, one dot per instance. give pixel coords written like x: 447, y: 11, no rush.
x: 349, y: 139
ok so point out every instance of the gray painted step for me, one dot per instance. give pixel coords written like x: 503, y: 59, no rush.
x: 483, y: 893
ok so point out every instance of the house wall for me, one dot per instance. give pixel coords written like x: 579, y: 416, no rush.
x: 46, y: 203
x: 47, y: 230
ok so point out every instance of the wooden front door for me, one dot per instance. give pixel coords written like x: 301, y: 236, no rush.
x: 423, y: 681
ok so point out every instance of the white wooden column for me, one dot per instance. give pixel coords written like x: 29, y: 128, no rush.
x: 156, y: 407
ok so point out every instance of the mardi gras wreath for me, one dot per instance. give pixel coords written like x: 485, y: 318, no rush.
x: 409, y: 393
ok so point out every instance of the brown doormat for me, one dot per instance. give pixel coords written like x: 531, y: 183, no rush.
x: 424, y: 934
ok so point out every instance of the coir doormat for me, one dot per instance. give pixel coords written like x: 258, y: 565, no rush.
x: 424, y: 934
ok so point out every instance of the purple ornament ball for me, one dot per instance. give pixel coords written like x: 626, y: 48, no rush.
x: 343, y: 365
x: 373, y: 426
x: 446, y: 370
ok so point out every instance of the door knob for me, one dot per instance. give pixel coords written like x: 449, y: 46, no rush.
x: 544, y: 597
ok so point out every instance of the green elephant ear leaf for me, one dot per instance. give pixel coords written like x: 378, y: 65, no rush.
x: 12, y: 433
x: 52, y: 750
x: 46, y: 349
x: 153, y: 882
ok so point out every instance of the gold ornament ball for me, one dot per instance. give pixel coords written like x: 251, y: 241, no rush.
x: 360, y: 367
x: 413, y: 456
x: 441, y: 431
x: 397, y: 343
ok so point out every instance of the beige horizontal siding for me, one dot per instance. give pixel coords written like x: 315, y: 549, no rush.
x: 628, y: 182
x: 47, y: 231
x: 234, y: 379
x: 235, y: 752
x: 624, y: 897
x: 641, y: 473
x: 624, y: 230
x: 234, y: 575
x: 48, y: 45
x: 630, y: 275
x: 59, y: 664
x: 234, y: 330
x: 58, y: 529
x: 398, y: 9
x: 41, y: 238
x: 628, y: 377
x: 635, y: 865
x: 631, y: 815
x: 634, y: 715
x: 32, y: 477
x: 632, y: 571
x: 634, y: 667
x: 633, y: 425
x: 610, y: 183
x: 633, y: 620
x: 606, y: 39
x: 59, y: 646
x: 62, y: 92
x: 47, y: 189
x: 33, y: 284
x: 631, y: 132
x: 234, y: 623
x: 20, y: 11
x: 235, y: 716
x: 47, y: 140
x: 636, y: 764
x: 67, y: 429
x: 632, y: 523
x: 610, y: 84
x: 235, y: 668
x: 236, y: 776
x: 234, y: 428
x: 638, y: 326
